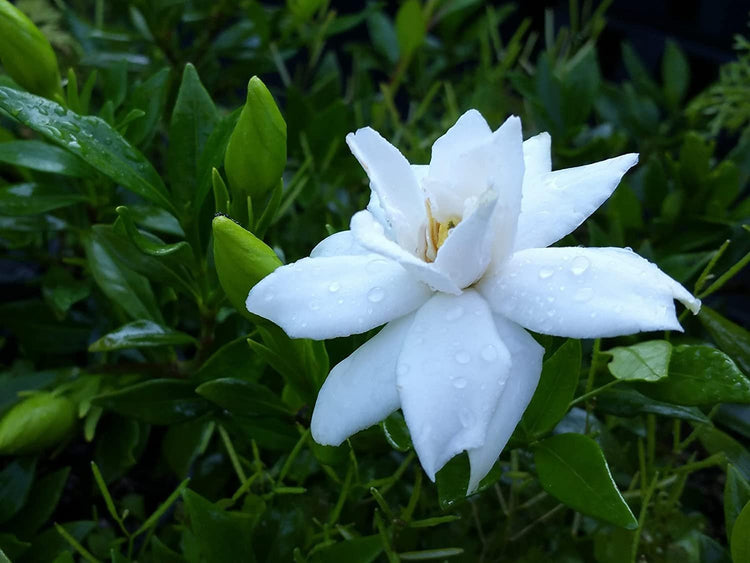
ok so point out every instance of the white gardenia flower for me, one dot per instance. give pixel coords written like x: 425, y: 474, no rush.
x: 452, y: 258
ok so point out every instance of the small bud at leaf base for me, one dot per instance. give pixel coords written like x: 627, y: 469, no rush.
x: 256, y: 152
x: 241, y: 260
x: 38, y: 422
x: 26, y: 54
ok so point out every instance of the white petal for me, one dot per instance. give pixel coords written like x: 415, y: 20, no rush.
x: 336, y: 295
x: 420, y: 172
x: 467, y: 251
x: 585, y: 292
x: 338, y: 244
x: 555, y: 204
x: 361, y: 390
x: 450, y: 375
x: 370, y: 234
x: 536, y: 157
x: 392, y: 179
x: 448, y: 151
x: 526, y: 357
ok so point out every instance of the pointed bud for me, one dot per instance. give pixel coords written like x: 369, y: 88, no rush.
x: 26, y: 54
x: 241, y: 260
x: 38, y: 422
x: 256, y: 152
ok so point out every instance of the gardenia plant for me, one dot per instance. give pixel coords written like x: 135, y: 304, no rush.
x: 453, y: 258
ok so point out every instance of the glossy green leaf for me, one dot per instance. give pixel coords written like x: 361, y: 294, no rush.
x: 234, y: 359
x: 158, y: 401
x: 557, y: 384
x: 213, y: 153
x: 32, y: 198
x: 89, y: 138
x: 733, y: 339
x: 37, y: 422
x: 242, y: 397
x: 452, y: 481
x: 122, y: 285
x: 572, y: 468
x: 714, y: 441
x: 15, y: 484
x: 178, y: 253
x: 193, y: 119
x: 356, y: 550
x: 61, y: 290
x: 736, y: 496
x: 43, y: 157
x: 700, y: 375
x: 150, y: 96
x: 645, y: 361
x: 396, y: 432
x: 221, y: 536
x: 622, y: 401
x: 740, y: 539
x: 141, y: 334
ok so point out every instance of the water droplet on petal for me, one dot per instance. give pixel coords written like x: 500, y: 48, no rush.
x: 375, y: 295
x: 579, y: 265
x: 463, y: 357
x: 584, y: 294
x: 545, y: 273
x: 489, y: 354
x: 466, y: 417
x: 454, y: 313
x: 377, y: 265
x: 334, y: 287
x: 459, y: 383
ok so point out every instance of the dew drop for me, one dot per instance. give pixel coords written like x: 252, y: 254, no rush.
x: 584, y: 294
x: 579, y: 265
x: 334, y: 287
x: 375, y: 266
x: 42, y: 110
x: 459, y: 383
x: 463, y: 357
x: 545, y: 273
x: 454, y: 313
x: 489, y: 354
x: 466, y: 417
x: 375, y: 295
x: 74, y: 145
x: 59, y: 110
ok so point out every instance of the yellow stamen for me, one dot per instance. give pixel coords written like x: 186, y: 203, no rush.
x: 437, y: 232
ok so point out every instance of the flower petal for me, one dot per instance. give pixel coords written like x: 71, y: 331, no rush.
x: 338, y: 244
x: 450, y: 375
x: 361, y: 390
x: 392, y: 179
x: 369, y: 233
x: 555, y: 204
x: 336, y: 296
x: 526, y: 357
x: 536, y: 157
x: 585, y: 292
x: 467, y: 251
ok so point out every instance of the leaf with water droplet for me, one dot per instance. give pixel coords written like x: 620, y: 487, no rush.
x: 645, y: 361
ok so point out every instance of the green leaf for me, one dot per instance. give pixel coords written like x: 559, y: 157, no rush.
x: 557, y: 384
x: 645, y: 361
x: 733, y: 339
x: 163, y: 507
x: 740, y: 540
x: 43, y: 157
x: 700, y: 375
x: 89, y: 138
x: 35, y: 423
x: 396, y: 432
x: 178, y: 253
x: 40, y: 332
x: 736, y: 495
x: 243, y: 397
x: 41, y: 503
x: 183, y: 443
x: 61, y: 290
x: 150, y: 96
x: 159, y: 401
x: 122, y: 285
x: 411, y: 27
x: 120, y: 442
x: 715, y: 441
x: 213, y: 153
x: 383, y: 36
x: 49, y: 544
x: 193, y: 119
x: 141, y: 334
x: 234, y: 359
x: 452, y: 481
x: 627, y: 402
x: 675, y: 73
x: 356, y: 550
x: 15, y: 485
x: 32, y: 198
x: 221, y: 536
x: 572, y: 468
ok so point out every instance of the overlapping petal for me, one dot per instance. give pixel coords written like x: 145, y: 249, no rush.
x: 336, y: 296
x: 537, y: 158
x: 392, y: 179
x: 555, y: 204
x: 342, y: 243
x: 451, y: 371
x: 361, y: 390
x: 585, y: 292
x: 526, y: 367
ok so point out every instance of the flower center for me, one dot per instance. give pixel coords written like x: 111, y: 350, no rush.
x: 437, y: 232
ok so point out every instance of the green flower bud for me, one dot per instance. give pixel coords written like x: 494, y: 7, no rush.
x: 241, y: 260
x: 256, y: 152
x: 37, y: 422
x: 26, y: 54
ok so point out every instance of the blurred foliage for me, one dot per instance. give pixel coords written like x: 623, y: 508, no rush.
x: 144, y: 418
